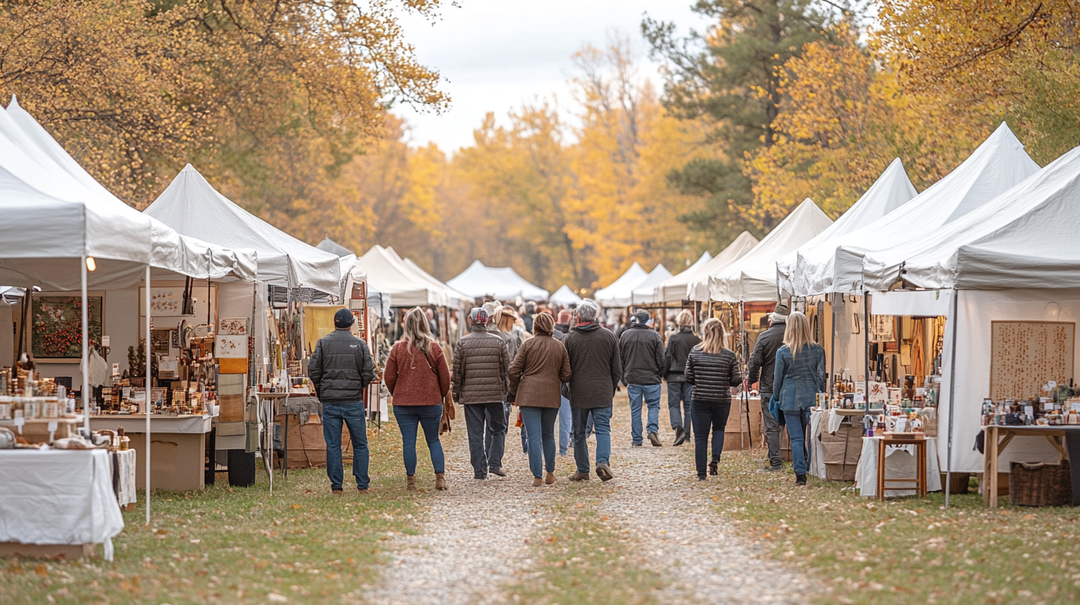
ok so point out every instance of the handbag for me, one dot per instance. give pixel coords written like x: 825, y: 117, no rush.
x: 448, y: 411
x: 774, y: 409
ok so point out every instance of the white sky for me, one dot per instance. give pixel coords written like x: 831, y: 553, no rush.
x: 495, y: 55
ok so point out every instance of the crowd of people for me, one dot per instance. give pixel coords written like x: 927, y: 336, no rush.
x: 564, y: 368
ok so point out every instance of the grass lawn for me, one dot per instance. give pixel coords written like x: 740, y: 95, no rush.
x: 906, y: 550
x: 237, y: 545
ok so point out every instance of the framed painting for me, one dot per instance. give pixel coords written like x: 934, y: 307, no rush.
x: 56, y: 325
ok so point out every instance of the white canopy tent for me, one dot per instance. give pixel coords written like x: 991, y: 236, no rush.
x: 453, y: 297
x: 479, y: 280
x: 645, y: 292
x: 387, y: 273
x: 193, y: 207
x: 995, y: 166
x: 753, y: 277
x: 617, y: 293
x: 694, y: 283
x: 565, y: 296
x: 890, y: 191
x: 673, y: 289
x: 1017, y: 259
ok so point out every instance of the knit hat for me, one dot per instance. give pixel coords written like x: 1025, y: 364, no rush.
x: 478, y: 316
x: 343, y: 319
x: 587, y: 310
x: 491, y: 307
x: 642, y: 317
x: 780, y: 314
x: 544, y: 323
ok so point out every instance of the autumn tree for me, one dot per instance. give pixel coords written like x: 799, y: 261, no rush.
x: 729, y: 77
x: 243, y: 88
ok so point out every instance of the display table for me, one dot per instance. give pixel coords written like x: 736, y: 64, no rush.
x: 997, y: 438
x: 57, y: 502
x: 899, y: 462
x: 177, y: 448
x: 265, y: 406
x: 36, y: 430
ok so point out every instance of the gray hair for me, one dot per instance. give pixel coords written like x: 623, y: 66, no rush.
x: 587, y: 310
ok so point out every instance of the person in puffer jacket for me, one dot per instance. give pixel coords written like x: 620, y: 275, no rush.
x: 713, y: 370
x: 481, y: 383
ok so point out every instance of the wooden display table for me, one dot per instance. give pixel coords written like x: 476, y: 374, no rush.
x: 177, y: 448
x: 920, y: 464
x: 997, y: 438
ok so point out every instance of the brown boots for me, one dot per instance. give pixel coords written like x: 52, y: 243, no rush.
x: 440, y: 481
x: 410, y: 483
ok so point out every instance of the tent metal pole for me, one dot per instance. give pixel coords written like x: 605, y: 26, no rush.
x: 742, y: 354
x: 952, y: 401
x: 832, y: 345
x: 146, y: 409
x: 866, y: 342
x: 85, y: 350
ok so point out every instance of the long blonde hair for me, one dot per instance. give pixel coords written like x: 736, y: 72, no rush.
x: 712, y: 336
x: 797, y: 333
x: 417, y: 332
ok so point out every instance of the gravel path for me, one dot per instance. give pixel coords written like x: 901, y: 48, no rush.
x: 475, y: 536
x: 657, y: 495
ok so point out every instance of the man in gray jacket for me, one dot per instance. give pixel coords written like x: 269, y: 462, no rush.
x: 341, y: 368
x: 595, y: 372
x: 481, y: 383
x: 642, y: 352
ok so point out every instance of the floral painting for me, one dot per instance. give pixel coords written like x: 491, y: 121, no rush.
x: 233, y: 326
x: 56, y: 325
x: 231, y: 347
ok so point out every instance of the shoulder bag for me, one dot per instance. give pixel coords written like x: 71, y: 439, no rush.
x: 448, y: 412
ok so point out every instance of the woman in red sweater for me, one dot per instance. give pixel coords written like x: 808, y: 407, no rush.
x: 418, y: 379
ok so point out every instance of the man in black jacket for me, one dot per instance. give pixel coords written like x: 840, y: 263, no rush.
x: 341, y: 368
x: 642, y: 352
x: 762, y: 364
x: 678, y: 348
x: 595, y: 371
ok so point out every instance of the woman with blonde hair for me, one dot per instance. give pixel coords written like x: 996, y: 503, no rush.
x: 418, y: 378
x: 713, y: 370
x: 799, y: 376
x: 678, y: 390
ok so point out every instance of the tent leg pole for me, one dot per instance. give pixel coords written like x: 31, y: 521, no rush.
x: 952, y: 403
x: 832, y: 346
x: 866, y: 343
x: 146, y: 410
x: 85, y: 350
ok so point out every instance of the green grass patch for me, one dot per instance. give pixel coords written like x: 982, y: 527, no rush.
x: 242, y: 545
x: 907, y: 550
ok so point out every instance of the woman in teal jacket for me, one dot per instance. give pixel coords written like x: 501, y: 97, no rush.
x: 800, y: 376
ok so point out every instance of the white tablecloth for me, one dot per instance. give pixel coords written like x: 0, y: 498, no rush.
x: 899, y: 463
x: 125, y: 470
x: 58, y: 497
x: 817, y: 450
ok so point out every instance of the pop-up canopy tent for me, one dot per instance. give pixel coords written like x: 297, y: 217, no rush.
x: 193, y: 207
x: 387, y: 272
x: 753, y: 277
x: 693, y: 284
x: 565, y: 296
x: 375, y: 298
x: 1015, y: 259
x: 995, y: 166
x: 673, y: 289
x: 453, y: 297
x: 479, y: 280
x: 890, y: 191
x: 645, y: 292
x: 617, y: 293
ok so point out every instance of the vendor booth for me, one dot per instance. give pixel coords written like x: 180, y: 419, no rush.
x: 565, y: 297
x: 617, y: 293
x: 503, y: 283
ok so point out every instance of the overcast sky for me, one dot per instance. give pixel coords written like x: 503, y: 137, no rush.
x: 495, y: 55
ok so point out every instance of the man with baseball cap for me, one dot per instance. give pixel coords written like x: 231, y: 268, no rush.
x: 481, y: 383
x: 341, y: 368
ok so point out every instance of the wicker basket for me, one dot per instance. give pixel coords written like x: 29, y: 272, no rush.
x: 1040, y: 484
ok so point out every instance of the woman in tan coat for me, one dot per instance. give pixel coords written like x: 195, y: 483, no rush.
x: 536, y: 377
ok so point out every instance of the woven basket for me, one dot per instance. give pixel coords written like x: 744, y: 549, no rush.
x: 1040, y: 484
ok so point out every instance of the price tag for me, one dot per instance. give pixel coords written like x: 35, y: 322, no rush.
x: 52, y: 426
x: 860, y: 398
x: 104, y: 341
x: 20, y: 421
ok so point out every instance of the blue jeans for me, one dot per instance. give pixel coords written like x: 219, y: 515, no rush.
x: 566, y: 425
x: 540, y: 424
x: 681, y: 416
x: 796, y: 423
x: 709, y: 416
x: 428, y: 417
x: 601, y: 421
x: 651, y: 394
x: 352, y: 415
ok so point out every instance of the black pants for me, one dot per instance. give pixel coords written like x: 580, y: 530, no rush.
x: 708, y: 416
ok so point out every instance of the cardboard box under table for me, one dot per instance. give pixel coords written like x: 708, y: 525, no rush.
x: 740, y: 430
x: 177, y: 448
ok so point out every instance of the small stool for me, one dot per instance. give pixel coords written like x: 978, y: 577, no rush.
x: 920, y: 465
